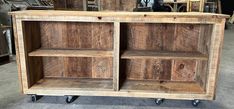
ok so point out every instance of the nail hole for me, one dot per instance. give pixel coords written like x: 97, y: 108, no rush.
x: 99, y: 18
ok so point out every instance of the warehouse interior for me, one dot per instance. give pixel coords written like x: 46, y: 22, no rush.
x: 11, y: 96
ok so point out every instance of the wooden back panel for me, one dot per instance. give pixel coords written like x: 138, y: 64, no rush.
x: 162, y: 38
x: 67, y: 35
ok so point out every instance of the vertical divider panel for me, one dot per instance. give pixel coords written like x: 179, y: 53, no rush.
x: 116, y: 56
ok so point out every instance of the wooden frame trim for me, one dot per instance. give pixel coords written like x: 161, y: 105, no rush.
x: 214, y: 58
x: 22, y: 55
x: 17, y: 54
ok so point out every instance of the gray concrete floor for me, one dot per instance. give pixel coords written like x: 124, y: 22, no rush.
x: 10, y: 97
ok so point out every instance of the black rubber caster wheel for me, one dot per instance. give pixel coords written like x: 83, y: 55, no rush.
x: 159, y: 101
x: 71, y: 99
x: 195, y: 103
x: 35, y: 98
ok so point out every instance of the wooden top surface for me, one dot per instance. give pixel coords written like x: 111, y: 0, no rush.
x: 117, y: 14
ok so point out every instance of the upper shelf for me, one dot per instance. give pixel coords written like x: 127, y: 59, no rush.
x: 71, y: 53
x: 140, y: 54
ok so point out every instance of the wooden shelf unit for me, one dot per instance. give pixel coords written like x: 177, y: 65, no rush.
x: 159, y: 55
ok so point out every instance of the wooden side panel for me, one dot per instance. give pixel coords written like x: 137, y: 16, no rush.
x: 205, y: 38
x: 147, y: 69
x: 184, y: 70
x: 32, y: 40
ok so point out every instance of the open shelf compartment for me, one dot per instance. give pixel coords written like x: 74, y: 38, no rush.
x: 165, y: 58
x: 69, y: 55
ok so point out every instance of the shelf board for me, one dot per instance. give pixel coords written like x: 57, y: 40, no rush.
x: 165, y: 87
x: 71, y: 53
x: 73, y: 84
x: 140, y: 54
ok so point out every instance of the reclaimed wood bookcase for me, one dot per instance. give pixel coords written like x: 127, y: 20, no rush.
x: 126, y: 54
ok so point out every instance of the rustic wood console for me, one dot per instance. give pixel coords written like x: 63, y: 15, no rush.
x: 151, y: 55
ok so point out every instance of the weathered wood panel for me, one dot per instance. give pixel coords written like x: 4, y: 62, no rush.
x: 148, y: 69
x: 77, y: 5
x: 117, y: 5
x: 186, y: 37
x: 142, y: 36
x: 183, y: 70
x: 32, y: 42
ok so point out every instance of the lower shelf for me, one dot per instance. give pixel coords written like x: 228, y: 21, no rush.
x: 73, y: 84
x: 164, y: 87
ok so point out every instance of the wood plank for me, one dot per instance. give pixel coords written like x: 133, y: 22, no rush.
x: 146, y: 17
x: 71, y: 53
x: 186, y: 37
x: 124, y: 14
x: 165, y: 87
x: 141, y: 54
x: 183, y: 70
x: 73, y: 84
x: 147, y: 36
x: 32, y: 38
x: 148, y: 69
x: 214, y: 58
x: 20, y: 75
x: 116, y: 59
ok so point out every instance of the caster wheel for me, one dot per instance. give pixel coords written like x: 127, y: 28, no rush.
x: 159, y: 101
x: 195, y: 103
x: 71, y: 99
x: 35, y: 98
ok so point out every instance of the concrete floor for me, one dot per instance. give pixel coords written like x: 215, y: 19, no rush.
x: 10, y: 98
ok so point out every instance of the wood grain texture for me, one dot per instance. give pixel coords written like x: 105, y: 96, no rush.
x: 186, y: 37
x: 117, y: 5
x: 201, y: 74
x: 148, y: 69
x: 142, y: 36
x: 184, y: 70
x: 73, y: 84
x: 149, y: 17
x: 70, y: 53
x: 32, y: 42
x: 153, y: 81
x: 165, y: 87
x: 139, y: 54
x: 15, y: 30
x: 69, y: 5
